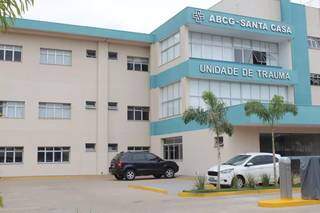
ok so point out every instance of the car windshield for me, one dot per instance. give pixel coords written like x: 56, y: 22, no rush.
x: 237, y: 160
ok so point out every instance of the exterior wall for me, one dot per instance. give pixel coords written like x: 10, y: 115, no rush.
x: 198, y: 148
x: 88, y: 79
x: 313, y: 21
x: 128, y: 88
x: 267, y: 9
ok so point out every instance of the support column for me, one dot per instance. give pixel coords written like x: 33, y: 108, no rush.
x: 102, y: 111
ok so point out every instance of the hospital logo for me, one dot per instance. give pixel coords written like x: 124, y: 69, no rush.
x: 198, y: 16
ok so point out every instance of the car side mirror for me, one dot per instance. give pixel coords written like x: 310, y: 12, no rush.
x: 249, y: 164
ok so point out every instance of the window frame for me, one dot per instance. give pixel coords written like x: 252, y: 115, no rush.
x: 64, y: 107
x: 165, y: 48
x: 15, y: 149
x: 12, y: 48
x: 113, y: 58
x: 6, y: 105
x: 166, y: 101
x: 92, y: 51
x: 138, y: 109
x: 46, y: 52
x: 91, y: 105
x: 53, y: 150
x: 313, y: 42
x: 199, y: 41
x: 170, y: 144
x: 111, y: 147
x: 138, y: 148
x: 113, y: 108
x: 90, y: 149
x: 133, y: 61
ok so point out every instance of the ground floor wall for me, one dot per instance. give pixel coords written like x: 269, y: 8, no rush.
x: 199, y: 152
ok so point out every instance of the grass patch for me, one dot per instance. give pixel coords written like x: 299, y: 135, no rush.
x: 1, y: 202
x: 233, y: 189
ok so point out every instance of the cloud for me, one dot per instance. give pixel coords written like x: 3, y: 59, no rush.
x: 138, y: 15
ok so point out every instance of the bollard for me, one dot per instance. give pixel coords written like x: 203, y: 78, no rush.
x: 285, y: 178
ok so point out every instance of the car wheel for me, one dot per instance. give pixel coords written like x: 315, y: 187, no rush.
x: 169, y: 173
x: 157, y: 176
x: 240, y: 182
x: 130, y: 174
x: 118, y: 177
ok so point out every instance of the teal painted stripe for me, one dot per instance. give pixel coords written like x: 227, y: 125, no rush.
x: 82, y: 30
x: 300, y: 54
x: 190, y: 69
x: 185, y: 18
x: 307, y: 115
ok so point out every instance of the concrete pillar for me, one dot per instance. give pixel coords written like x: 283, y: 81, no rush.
x: 102, y: 111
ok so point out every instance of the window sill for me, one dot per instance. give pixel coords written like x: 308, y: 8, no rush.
x: 11, y: 164
x: 61, y: 65
x: 12, y: 118
x: 50, y: 163
x: 234, y: 62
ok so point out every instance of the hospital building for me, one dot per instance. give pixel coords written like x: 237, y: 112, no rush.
x: 72, y: 97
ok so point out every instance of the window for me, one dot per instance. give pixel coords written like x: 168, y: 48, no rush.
x: 170, y: 100
x: 233, y: 93
x: 172, y: 148
x: 314, y: 42
x: 112, y: 147
x: 55, y: 57
x: 10, y: 53
x: 315, y: 79
x: 138, y: 157
x: 259, y: 57
x: 12, y: 109
x: 262, y: 160
x: 53, y: 154
x: 138, y: 148
x: 224, y: 48
x: 113, y: 55
x: 90, y: 147
x: 91, y: 53
x: 138, y: 113
x: 112, y: 106
x: 54, y: 110
x: 138, y: 64
x: 90, y: 104
x: 11, y: 154
x: 170, y: 48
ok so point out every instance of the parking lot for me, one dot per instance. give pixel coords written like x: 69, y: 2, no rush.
x: 100, y: 194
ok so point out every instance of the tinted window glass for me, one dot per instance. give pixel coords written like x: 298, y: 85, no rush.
x: 260, y: 160
x: 151, y: 157
x: 138, y: 157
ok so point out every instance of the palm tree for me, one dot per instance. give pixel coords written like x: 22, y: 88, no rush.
x: 214, y: 116
x: 270, y: 115
x: 11, y: 9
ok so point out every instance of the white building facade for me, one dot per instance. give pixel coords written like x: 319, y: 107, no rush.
x: 72, y: 97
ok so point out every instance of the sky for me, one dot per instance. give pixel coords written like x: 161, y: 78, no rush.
x: 131, y: 15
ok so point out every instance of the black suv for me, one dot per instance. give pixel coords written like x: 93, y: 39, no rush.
x: 128, y: 165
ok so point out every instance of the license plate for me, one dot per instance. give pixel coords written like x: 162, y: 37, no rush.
x: 212, y: 179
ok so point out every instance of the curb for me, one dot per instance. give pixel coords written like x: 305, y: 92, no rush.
x: 287, y: 203
x: 149, y: 188
x: 220, y: 194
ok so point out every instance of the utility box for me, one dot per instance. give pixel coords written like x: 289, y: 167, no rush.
x: 310, y: 178
x: 285, y: 178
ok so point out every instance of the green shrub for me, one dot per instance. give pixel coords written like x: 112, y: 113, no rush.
x: 296, y: 180
x: 200, y: 182
x: 265, y: 180
x: 251, y: 182
x: 1, y: 202
x: 234, y: 182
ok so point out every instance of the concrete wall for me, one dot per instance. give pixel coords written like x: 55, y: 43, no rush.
x: 88, y: 79
x: 267, y: 9
x: 198, y: 148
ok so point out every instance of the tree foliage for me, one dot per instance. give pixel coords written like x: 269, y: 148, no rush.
x: 12, y: 9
